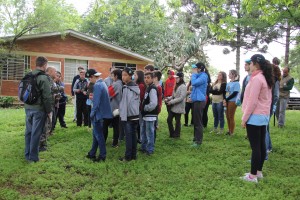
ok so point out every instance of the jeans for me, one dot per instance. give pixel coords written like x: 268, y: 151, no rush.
x: 98, y: 140
x: 268, y: 140
x: 218, y: 111
x: 280, y: 112
x: 131, y: 139
x: 198, y: 108
x: 174, y: 133
x: 35, y: 122
x: 256, y: 135
x: 147, y: 136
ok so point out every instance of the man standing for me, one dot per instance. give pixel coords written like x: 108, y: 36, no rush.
x: 169, y: 87
x: 247, y: 78
x: 36, y: 113
x: 285, y: 85
x: 100, y: 110
x: 73, y: 94
x: 80, y: 89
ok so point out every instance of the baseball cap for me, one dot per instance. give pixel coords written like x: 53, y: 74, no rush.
x: 171, y: 72
x: 92, y: 72
x: 248, y: 61
x: 258, y: 58
x: 179, y: 74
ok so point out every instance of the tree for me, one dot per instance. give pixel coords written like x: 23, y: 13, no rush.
x: 20, y: 17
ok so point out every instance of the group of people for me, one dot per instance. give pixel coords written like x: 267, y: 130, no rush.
x: 130, y: 102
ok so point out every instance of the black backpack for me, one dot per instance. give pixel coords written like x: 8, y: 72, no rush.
x: 28, y: 91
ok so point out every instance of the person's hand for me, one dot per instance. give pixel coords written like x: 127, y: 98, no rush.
x: 224, y: 103
x: 243, y: 124
x: 194, y: 71
x: 84, y: 92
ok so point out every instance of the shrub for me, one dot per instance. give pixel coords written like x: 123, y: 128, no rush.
x: 6, y: 102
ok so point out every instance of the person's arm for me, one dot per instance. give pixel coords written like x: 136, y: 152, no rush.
x: 253, y: 99
x: 218, y: 92
x: 289, y: 85
x: 47, y: 98
x: 73, y: 83
x: 198, y: 80
x: 113, y: 90
x: 182, y: 95
x: 153, y: 101
x: 96, y: 101
x: 275, y: 96
x: 232, y: 95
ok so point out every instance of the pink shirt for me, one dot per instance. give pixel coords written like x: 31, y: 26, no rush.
x: 257, y: 97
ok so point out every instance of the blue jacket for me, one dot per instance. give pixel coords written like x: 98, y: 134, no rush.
x: 101, y: 107
x: 199, y: 86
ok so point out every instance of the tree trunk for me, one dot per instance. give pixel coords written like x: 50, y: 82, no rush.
x: 238, y: 39
x: 287, y: 44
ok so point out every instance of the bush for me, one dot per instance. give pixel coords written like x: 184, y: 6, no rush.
x: 6, y: 102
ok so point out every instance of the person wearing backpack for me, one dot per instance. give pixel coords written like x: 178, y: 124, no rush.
x: 36, y: 113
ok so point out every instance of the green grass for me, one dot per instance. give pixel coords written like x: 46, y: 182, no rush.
x: 175, y: 171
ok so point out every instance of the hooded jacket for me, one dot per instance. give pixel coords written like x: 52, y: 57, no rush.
x: 130, y: 102
x: 199, y: 83
x: 115, y: 94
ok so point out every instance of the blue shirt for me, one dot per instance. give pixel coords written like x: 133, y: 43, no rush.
x: 232, y: 87
x: 258, y: 120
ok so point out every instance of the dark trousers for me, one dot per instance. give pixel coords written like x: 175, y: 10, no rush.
x: 198, y: 107
x: 115, y: 122
x: 256, y: 135
x: 188, y: 107
x: 205, y: 117
x: 54, y: 113
x: 89, y: 109
x: 130, y: 128
x: 81, y: 110
x: 174, y: 133
x: 61, y: 114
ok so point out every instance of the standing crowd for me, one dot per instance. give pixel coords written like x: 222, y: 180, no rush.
x: 130, y: 102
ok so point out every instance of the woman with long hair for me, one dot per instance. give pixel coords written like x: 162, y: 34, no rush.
x: 177, y: 105
x: 218, y: 91
x: 232, y: 90
x: 256, y: 113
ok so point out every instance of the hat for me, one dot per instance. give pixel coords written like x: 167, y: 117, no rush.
x: 92, y: 72
x: 128, y: 71
x: 248, y: 61
x: 199, y: 65
x: 194, y: 66
x: 171, y: 72
x: 260, y: 59
x: 179, y: 74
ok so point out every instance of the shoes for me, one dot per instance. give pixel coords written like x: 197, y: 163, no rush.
x: 64, y: 126
x: 258, y: 175
x: 149, y: 153
x: 185, y: 125
x: 248, y: 178
x: 99, y: 159
x: 214, y: 131
x: 195, y: 145
x: 74, y: 120
x: 280, y: 126
x: 123, y: 159
x: 269, y: 150
x: 91, y: 157
x: 142, y: 151
x: 43, y: 148
x: 114, y: 145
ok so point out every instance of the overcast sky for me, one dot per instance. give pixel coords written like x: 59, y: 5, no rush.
x: 215, y: 53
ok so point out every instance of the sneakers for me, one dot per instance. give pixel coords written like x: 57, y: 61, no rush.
x: 91, y: 157
x: 115, y: 146
x: 258, y: 175
x: 195, y: 145
x: 99, y: 159
x: 123, y: 159
x: 214, y: 131
x: 248, y: 178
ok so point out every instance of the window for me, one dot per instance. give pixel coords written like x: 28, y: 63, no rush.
x: 123, y: 65
x: 71, y: 66
x: 56, y: 65
x: 14, y: 67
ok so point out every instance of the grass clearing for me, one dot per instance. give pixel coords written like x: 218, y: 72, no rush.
x: 175, y: 171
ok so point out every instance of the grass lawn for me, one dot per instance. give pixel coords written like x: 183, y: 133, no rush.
x: 175, y: 171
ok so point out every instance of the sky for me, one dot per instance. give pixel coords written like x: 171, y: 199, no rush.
x: 215, y: 53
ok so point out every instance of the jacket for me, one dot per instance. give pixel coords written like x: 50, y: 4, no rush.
x: 130, y: 102
x: 100, y: 109
x: 150, y: 102
x: 169, y: 87
x: 45, y: 101
x: 199, y: 83
x: 81, y: 85
x: 115, y: 94
x: 177, y: 102
x: 257, y: 97
x: 285, y: 85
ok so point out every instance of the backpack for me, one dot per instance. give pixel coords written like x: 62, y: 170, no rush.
x: 28, y: 91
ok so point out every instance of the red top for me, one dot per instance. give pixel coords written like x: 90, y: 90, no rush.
x: 159, y: 96
x: 169, y: 86
x: 142, y: 93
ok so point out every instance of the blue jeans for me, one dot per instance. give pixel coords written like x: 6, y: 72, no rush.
x: 98, y: 140
x: 147, y: 136
x: 268, y: 140
x: 218, y: 111
x: 35, y: 122
x: 131, y: 139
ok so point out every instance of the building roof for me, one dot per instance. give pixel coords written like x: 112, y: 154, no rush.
x: 85, y: 38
